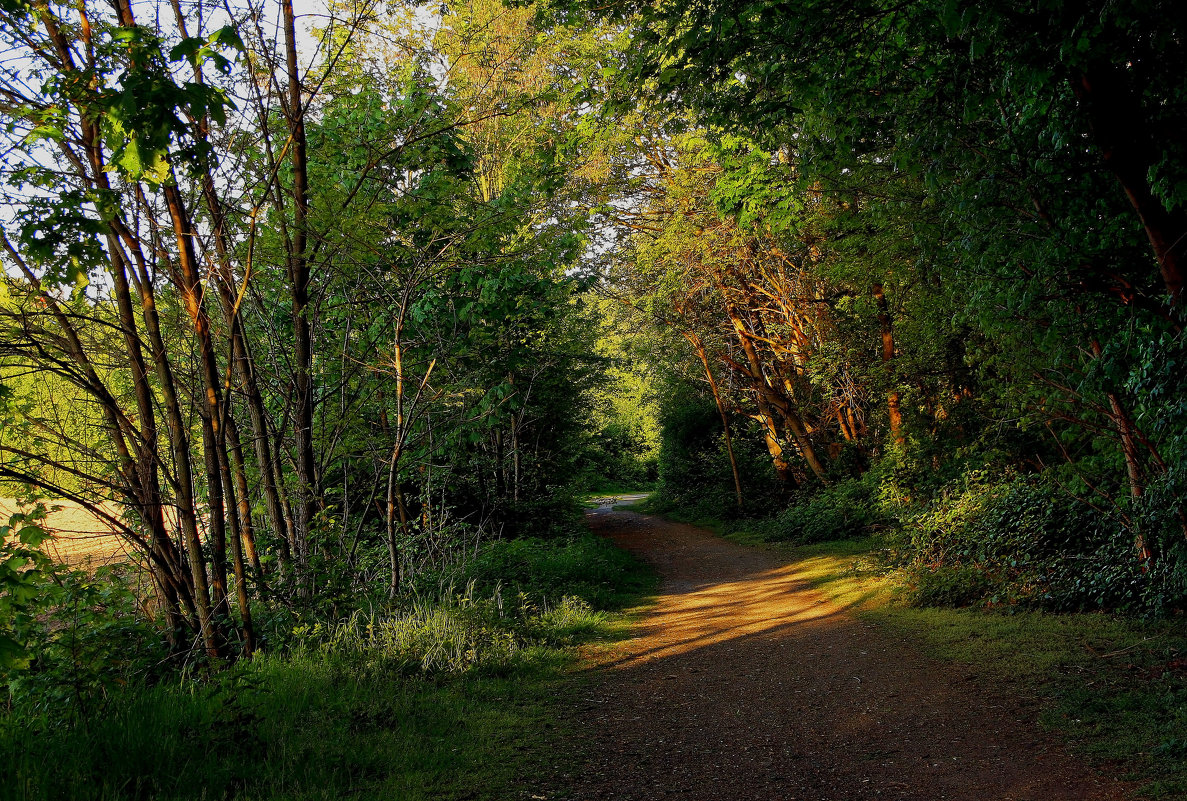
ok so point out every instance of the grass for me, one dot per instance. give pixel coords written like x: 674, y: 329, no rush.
x: 590, y: 499
x: 457, y: 698
x: 307, y: 728
x: 608, y: 488
x: 1115, y: 688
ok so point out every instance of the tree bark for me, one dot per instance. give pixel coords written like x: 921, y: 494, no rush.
x: 767, y: 395
x: 1129, y: 450
x: 304, y: 506
x: 699, y: 347
x: 893, y: 399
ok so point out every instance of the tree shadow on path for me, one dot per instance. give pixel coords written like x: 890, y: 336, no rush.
x: 743, y: 682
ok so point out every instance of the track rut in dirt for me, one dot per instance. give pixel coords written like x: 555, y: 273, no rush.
x: 742, y: 682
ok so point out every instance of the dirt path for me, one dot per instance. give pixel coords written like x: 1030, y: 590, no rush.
x: 744, y: 683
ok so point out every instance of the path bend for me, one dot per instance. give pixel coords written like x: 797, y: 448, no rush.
x: 743, y: 682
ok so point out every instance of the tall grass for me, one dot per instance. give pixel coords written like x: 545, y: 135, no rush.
x: 460, y: 632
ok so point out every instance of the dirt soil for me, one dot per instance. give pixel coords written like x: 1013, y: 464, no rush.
x: 742, y: 682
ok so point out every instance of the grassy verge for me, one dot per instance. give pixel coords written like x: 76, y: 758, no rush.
x: 1115, y: 688
x: 594, y: 499
x: 455, y: 698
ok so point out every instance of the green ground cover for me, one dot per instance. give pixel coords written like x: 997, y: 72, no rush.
x: 457, y: 696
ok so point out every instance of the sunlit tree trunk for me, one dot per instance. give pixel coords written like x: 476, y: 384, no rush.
x: 699, y: 346
x: 893, y: 398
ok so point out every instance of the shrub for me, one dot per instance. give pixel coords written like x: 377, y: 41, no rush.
x: 583, y: 566
x: 845, y: 510
x: 1011, y: 539
x: 67, y: 637
x: 945, y: 585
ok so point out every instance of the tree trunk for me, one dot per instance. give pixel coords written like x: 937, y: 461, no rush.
x: 699, y: 347
x: 212, y: 409
x: 765, y: 396
x: 180, y: 447
x: 242, y: 493
x: 1129, y: 449
x: 894, y: 412
x: 304, y: 506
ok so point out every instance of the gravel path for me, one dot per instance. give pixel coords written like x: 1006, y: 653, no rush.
x: 744, y: 683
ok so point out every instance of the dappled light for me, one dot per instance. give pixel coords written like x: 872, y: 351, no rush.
x: 329, y: 329
x: 745, y: 680
x: 767, y: 603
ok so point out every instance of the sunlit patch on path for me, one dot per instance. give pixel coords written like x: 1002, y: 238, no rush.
x: 742, y: 682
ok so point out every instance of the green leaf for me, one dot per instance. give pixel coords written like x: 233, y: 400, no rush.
x: 33, y: 535
x: 12, y: 655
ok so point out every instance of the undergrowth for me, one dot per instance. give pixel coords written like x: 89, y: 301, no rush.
x: 968, y: 535
x: 449, y: 693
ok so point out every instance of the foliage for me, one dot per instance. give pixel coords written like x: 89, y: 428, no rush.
x: 25, y: 571
x: 584, y: 566
x: 1022, y: 541
x: 69, y: 638
x: 921, y: 273
x: 844, y: 510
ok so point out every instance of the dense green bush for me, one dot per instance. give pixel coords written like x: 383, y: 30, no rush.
x: 583, y: 566
x: 1012, y: 539
x: 844, y: 510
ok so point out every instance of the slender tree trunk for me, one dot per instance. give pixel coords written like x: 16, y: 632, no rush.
x: 248, y: 388
x: 267, y: 458
x: 244, y: 370
x: 235, y: 513
x: 893, y: 399
x: 395, y: 510
x: 843, y: 425
x: 514, y: 459
x: 216, y: 521
x: 180, y: 447
x: 240, y: 359
x: 1129, y: 449
x: 395, y: 493
x: 212, y: 407
x: 304, y: 507
x: 699, y: 347
x: 163, y: 560
x: 242, y: 493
